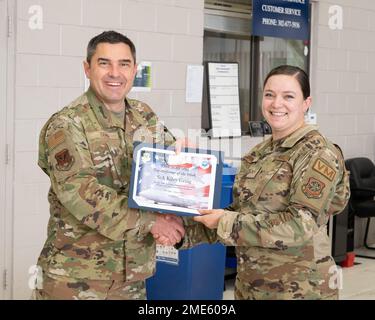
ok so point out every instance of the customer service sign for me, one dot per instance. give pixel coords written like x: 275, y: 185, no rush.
x: 287, y: 19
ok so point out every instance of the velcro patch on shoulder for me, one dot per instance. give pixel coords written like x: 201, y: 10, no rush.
x: 324, y: 169
x: 313, y: 188
x: 64, y: 160
x: 56, y: 139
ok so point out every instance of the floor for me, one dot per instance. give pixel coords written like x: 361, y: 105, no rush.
x: 358, y: 281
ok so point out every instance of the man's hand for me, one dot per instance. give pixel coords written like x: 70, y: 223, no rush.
x: 210, y: 218
x: 168, y: 229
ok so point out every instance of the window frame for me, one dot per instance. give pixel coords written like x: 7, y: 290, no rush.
x: 254, y: 76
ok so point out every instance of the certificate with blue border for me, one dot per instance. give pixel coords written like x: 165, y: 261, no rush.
x: 181, y: 184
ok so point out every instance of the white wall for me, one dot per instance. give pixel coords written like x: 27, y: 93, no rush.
x: 49, y: 75
x: 343, y: 72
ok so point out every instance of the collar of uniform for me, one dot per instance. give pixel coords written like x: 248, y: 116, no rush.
x: 269, y: 146
x: 297, y: 135
x: 104, y: 116
x: 258, y: 151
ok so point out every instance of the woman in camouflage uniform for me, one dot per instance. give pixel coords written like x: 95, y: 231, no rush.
x: 286, y: 190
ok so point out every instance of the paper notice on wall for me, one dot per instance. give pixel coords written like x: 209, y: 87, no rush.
x: 194, y: 83
x: 224, y: 99
x: 142, y: 79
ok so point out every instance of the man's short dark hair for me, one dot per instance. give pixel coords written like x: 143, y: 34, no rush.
x: 109, y: 37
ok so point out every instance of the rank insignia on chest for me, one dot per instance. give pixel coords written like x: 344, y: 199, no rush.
x: 64, y: 160
x: 313, y: 188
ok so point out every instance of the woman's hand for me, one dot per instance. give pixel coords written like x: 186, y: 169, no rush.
x: 210, y: 218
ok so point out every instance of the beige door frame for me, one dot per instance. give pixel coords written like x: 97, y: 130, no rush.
x: 7, y: 86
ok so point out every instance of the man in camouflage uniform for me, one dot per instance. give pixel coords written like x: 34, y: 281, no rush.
x: 98, y: 248
x: 284, y: 194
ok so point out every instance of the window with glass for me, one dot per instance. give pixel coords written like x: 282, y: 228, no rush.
x: 227, y: 38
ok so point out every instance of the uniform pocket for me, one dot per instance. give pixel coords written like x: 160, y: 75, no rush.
x: 107, y: 155
x: 247, y: 182
x: 140, y: 259
x: 272, y: 186
x: 253, y: 173
x: 264, y: 177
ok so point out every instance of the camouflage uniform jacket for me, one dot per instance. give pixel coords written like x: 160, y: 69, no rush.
x: 283, y: 196
x: 87, y: 153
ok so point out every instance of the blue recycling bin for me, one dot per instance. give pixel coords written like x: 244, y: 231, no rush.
x: 229, y: 174
x: 196, y: 273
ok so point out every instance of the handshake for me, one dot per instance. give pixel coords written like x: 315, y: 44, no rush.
x: 168, y: 229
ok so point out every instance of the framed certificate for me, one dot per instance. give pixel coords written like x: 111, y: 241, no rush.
x: 182, y: 184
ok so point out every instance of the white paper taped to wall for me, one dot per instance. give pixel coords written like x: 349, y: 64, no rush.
x: 194, y: 83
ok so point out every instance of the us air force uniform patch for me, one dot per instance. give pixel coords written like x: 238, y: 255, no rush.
x: 325, y: 169
x: 64, y: 160
x: 318, y: 182
x: 313, y: 188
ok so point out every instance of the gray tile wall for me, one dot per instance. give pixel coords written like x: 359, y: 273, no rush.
x: 49, y: 75
x: 343, y: 72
